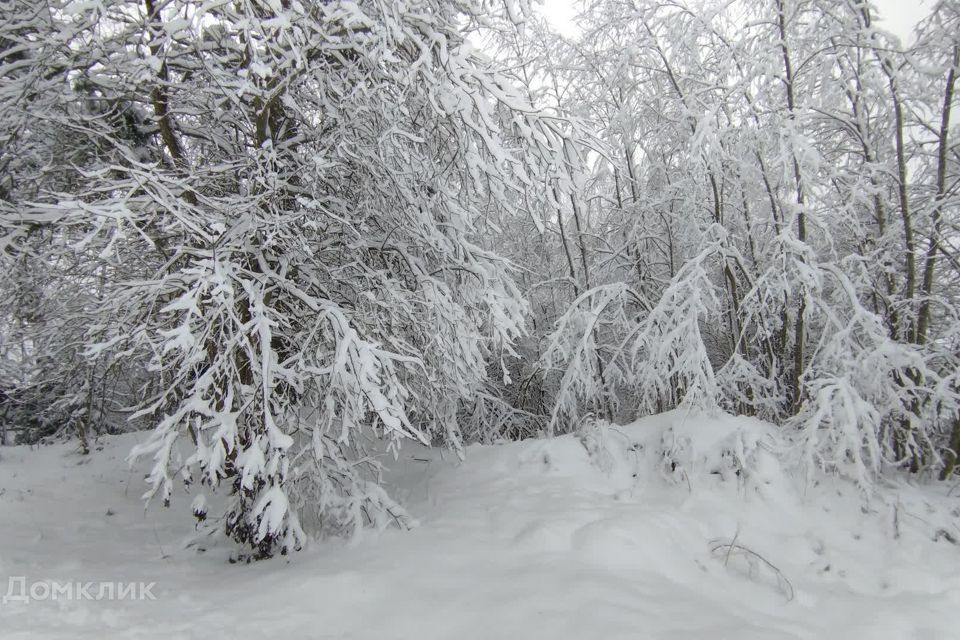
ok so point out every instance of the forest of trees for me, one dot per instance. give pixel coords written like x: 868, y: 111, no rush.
x: 274, y: 231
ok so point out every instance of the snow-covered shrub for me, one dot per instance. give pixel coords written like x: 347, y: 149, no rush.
x: 594, y: 435
x: 695, y: 446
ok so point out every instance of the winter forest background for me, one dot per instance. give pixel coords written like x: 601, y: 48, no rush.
x: 275, y: 232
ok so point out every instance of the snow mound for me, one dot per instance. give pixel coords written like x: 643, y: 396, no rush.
x: 691, y: 447
x: 685, y: 449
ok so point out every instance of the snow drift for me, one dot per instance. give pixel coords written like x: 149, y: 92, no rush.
x: 675, y: 526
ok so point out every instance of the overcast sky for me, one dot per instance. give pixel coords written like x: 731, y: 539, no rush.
x: 898, y: 16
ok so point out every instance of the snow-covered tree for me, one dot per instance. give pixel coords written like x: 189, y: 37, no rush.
x: 294, y: 190
x: 770, y: 194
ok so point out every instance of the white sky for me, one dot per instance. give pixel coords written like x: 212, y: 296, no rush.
x: 898, y: 16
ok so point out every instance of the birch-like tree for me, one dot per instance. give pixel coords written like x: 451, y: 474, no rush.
x: 774, y: 225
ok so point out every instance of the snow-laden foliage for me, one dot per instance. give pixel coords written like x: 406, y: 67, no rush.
x: 279, y: 231
x: 292, y: 192
x: 763, y: 225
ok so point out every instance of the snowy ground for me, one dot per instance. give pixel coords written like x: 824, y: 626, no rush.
x: 592, y: 537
